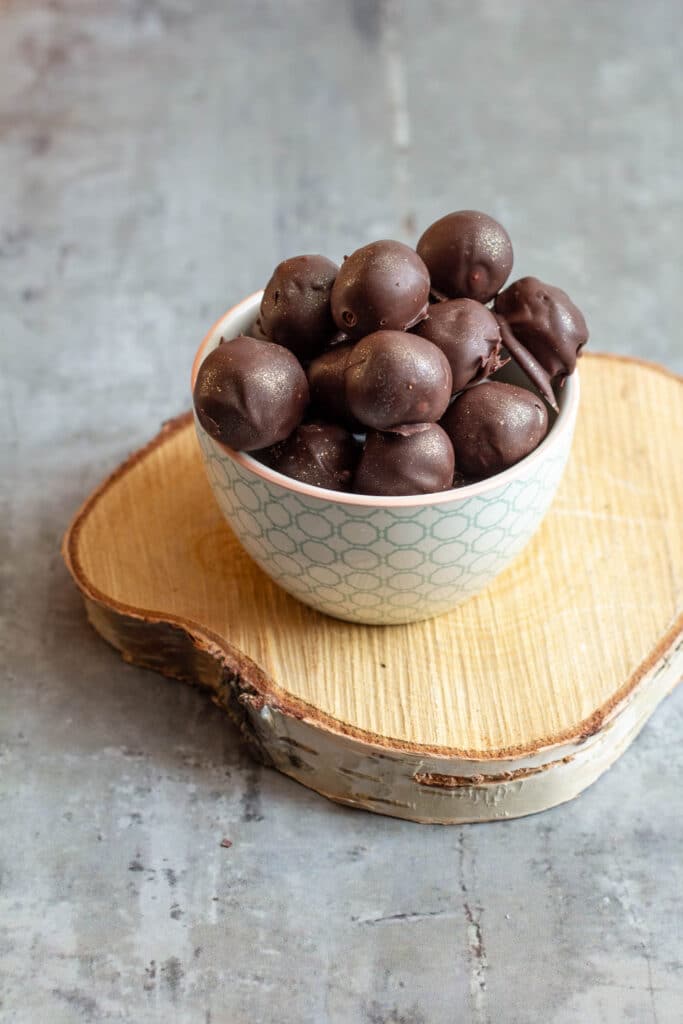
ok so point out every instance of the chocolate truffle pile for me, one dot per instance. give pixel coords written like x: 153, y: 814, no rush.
x: 374, y: 377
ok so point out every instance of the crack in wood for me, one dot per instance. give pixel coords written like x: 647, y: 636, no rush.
x: 439, y: 780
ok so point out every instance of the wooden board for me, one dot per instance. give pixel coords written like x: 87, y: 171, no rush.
x: 513, y: 703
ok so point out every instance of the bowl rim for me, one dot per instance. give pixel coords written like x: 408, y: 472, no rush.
x: 562, y: 426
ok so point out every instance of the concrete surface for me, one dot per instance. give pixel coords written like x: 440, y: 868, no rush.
x: 157, y: 158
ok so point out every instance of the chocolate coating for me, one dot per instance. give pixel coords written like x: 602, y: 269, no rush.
x: 320, y: 454
x: 255, y: 331
x: 538, y: 376
x: 468, y: 335
x: 546, y: 321
x: 328, y: 388
x: 295, y: 308
x: 250, y: 394
x: 468, y: 255
x: 384, y: 285
x: 413, y: 459
x: 493, y: 426
x: 396, y: 378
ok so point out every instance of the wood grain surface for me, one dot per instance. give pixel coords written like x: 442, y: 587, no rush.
x: 540, y: 658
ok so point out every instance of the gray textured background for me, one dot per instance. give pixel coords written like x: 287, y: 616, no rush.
x: 158, y: 157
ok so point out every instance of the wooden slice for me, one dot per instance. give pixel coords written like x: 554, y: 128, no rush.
x: 515, y: 702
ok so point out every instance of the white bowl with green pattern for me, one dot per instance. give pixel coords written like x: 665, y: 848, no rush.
x: 382, y: 560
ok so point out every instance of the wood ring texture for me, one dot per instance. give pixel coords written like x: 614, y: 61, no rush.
x: 512, y: 703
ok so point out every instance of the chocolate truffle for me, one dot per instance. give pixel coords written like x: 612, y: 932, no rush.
x: 250, y: 394
x: 468, y: 255
x: 383, y: 285
x: 494, y: 425
x: 412, y: 459
x: 546, y: 321
x: 468, y: 335
x: 320, y: 454
x: 396, y: 378
x: 295, y: 308
x: 328, y: 388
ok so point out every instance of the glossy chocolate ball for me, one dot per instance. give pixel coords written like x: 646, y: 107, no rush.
x: 413, y: 459
x: 468, y: 335
x: 493, y: 426
x: 384, y: 285
x: 295, y: 308
x: 396, y: 378
x: 249, y: 394
x: 468, y: 255
x: 326, y: 381
x: 319, y: 454
x: 546, y: 321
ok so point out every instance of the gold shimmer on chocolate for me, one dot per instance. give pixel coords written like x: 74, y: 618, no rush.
x: 395, y: 378
x: 545, y: 320
x: 539, y: 377
x: 249, y: 394
x: 413, y: 459
x: 376, y: 376
x: 468, y: 335
x: 468, y: 255
x: 295, y: 308
x: 493, y: 426
x: 384, y: 285
x: 328, y: 387
x: 320, y: 454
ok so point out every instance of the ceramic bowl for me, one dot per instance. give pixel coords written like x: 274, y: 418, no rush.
x: 382, y: 560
